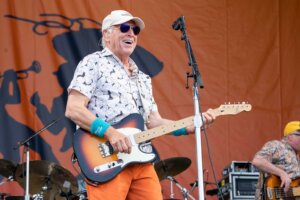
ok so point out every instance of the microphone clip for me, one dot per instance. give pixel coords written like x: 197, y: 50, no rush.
x: 179, y: 24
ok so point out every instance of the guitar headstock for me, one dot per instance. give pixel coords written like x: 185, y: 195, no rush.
x: 235, y: 108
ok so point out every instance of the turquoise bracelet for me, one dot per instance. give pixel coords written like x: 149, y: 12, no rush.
x: 179, y: 132
x: 99, y: 127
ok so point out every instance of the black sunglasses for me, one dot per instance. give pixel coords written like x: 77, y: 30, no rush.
x: 297, y: 134
x: 124, y: 28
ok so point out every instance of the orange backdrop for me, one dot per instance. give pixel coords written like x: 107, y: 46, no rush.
x: 246, y: 51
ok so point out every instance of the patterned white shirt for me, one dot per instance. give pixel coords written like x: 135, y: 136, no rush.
x: 113, y: 94
x: 281, y: 154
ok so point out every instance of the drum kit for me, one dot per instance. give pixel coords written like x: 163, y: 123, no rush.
x: 170, y: 167
x: 49, y: 181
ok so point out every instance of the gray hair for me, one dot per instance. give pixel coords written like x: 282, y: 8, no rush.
x: 109, y: 29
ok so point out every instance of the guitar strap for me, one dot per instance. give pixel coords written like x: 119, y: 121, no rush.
x: 144, y: 102
x: 146, y: 114
x: 260, y: 193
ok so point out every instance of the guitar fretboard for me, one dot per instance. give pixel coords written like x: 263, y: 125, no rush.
x: 162, y: 130
x: 227, y: 109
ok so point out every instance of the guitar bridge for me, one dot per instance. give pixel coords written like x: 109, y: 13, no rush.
x: 108, y: 166
x: 105, y: 149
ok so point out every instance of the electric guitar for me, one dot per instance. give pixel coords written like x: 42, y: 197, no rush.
x: 273, y: 191
x: 96, y: 156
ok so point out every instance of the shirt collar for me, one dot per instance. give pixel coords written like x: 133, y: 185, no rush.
x: 107, y: 52
x: 284, y: 140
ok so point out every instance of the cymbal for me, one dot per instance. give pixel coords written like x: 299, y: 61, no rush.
x: 46, y: 177
x: 7, y: 168
x: 171, y: 166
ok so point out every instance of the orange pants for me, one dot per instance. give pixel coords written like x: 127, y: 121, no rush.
x: 135, y: 182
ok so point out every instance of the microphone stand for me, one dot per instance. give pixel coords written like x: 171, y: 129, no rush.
x: 179, y: 24
x: 25, y: 143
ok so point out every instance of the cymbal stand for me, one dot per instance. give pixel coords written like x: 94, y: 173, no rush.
x: 171, y: 188
x: 26, y: 147
x: 25, y: 143
x: 184, y: 191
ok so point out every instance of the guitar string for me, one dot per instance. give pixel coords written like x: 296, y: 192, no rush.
x: 289, y: 193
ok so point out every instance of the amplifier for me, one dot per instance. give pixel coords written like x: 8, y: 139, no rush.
x: 239, y: 166
x: 243, y: 185
x: 239, y: 181
x: 238, y: 186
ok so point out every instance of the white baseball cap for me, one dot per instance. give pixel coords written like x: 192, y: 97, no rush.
x: 117, y: 17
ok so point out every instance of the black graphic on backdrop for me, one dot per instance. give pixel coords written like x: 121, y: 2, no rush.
x: 11, y: 130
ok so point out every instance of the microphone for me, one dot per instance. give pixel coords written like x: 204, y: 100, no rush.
x: 179, y: 23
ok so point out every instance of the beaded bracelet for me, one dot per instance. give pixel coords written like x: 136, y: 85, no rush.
x: 99, y: 127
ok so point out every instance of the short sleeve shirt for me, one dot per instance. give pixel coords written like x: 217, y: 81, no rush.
x: 281, y: 154
x: 113, y: 94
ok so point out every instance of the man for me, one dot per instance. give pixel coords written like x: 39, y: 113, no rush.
x: 279, y: 157
x: 108, y: 86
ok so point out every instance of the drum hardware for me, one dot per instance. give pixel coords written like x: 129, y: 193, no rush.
x: 82, y: 195
x: 47, y: 180
x: 171, y: 167
x: 25, y: 143
x: 185, y: 193
x: 3, y: 195
x: 38, y: 196
x: 195, y: 183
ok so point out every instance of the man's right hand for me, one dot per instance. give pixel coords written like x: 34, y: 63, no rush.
x: 119, y: 141
x: 285, y: 181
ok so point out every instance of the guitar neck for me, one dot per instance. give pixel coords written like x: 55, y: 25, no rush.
x: 227, y: 109
x: 165, y: 129
x: 162, y: 130
x: 296, y: 191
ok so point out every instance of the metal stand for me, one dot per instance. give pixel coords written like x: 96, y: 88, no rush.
x: 198, y: 124
x: 26, y: 146
x: 25, y: 143
x: 184, y: 191
x: 179, y: 24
